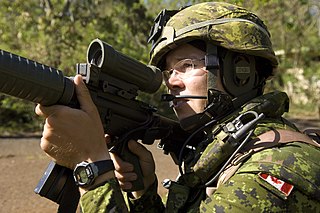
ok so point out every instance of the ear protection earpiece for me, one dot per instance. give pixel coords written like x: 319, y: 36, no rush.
x: 238, y: 72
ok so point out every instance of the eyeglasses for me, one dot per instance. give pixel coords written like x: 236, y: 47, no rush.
x: 184, y: 69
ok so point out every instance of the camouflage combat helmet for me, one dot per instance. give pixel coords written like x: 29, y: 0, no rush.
x: 237, y: 45
x: 221, y: 24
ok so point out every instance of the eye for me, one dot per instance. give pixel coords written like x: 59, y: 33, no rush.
x: 184, y: 65
x: 187, y: 65
x: 198, y: 63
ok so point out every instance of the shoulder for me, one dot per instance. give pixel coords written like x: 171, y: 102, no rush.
x: 247, y: 192
x: 296, y: 163
x: 278, y: 179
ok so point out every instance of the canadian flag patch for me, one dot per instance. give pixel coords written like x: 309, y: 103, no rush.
x: 282, y: 186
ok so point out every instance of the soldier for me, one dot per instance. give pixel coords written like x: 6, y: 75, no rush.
x: 242, y: 155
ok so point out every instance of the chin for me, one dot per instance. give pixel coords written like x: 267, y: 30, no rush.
x: 183, y: 114
x: 186, y: 109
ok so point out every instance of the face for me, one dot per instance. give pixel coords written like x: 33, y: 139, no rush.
x: 193, y: 82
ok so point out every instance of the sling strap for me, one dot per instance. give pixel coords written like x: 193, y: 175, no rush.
x: 278, y: 136
x: 313, y: 133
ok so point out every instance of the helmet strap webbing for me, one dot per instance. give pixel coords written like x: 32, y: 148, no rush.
x: 219, y: 103
x: 212, y: 65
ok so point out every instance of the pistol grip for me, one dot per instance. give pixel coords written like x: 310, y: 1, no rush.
x: 122, y: 150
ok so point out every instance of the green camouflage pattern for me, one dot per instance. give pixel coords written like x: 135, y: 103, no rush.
x: 148, y: 202
x: 222, y: 24
x: 295, y: 163
x: 109, y: 198
x: 292, y: 163
x: 245, y: 193
x: 273, y: 105
x: 106, y: 198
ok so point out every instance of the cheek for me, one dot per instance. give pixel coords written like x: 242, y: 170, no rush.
x: 200, y: 85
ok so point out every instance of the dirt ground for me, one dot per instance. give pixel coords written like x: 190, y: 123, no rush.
x: 22, y: 164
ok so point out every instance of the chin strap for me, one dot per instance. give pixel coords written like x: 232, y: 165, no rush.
x: 212, y: 65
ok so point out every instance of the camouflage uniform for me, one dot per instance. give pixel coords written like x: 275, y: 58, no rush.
x: 246, y: 191
x: 295, y: 163
x: 261, y: 177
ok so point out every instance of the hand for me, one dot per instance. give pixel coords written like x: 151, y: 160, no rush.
x: 124, y: 170
x: 73, y: 135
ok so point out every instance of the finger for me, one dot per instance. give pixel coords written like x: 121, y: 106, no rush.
x: 126, y: 177
x: 120, y: 165
x: 83, y: 94
x: 107, y: 139
x: 50, y: 134
x: 42, y: 110
x: 125, y: 185
x: 38, y: 111
x: 138, y: 149
x: 46, y: 146
x: 46, y: 111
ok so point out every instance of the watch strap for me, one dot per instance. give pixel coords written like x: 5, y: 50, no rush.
x: 90, y: 171
x: 103, y: 166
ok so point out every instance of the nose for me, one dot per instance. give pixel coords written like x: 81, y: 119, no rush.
x: 175, y: 83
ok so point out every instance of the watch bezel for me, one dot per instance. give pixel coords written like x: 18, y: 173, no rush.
x: 90, y: 173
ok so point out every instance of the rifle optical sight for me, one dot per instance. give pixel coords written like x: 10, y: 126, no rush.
x: 114, y: 63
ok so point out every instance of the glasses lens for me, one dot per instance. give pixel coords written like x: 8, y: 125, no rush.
x: 184, y: 66
x: 183, y: 69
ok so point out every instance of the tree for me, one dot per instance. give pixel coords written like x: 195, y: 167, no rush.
x: 58, y: 32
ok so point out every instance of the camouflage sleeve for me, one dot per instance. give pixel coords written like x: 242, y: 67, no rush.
x: 242, y: 193
x: 149, y: 202
x: 109, y: 198
x: 106, y: 198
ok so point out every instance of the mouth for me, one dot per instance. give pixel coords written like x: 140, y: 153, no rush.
x: 179, y: 102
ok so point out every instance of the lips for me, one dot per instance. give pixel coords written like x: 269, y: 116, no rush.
x: 178, y: 103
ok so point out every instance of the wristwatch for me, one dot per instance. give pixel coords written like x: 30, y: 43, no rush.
x: 85, y: 173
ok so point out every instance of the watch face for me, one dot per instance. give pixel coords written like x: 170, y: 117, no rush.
x: 83, y: 175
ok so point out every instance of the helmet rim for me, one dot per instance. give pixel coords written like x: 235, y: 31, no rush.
x: 256, y: 41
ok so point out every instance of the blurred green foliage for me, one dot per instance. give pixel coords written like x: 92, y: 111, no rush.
x: 58, y: 32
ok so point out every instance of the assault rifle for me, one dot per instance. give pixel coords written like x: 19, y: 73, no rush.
x: 113, y: 80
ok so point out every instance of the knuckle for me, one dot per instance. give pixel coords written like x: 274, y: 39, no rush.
x: 46, y: 146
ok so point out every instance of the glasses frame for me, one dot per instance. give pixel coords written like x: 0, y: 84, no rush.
x: 177, y: 69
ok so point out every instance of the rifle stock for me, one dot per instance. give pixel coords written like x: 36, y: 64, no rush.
x: 114, y: 81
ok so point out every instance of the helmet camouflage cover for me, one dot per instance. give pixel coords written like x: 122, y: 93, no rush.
x: 222, y: 24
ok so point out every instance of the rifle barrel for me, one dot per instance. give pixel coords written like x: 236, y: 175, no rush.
x: 26, y: 79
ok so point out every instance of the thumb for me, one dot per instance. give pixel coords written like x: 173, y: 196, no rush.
x: 83, y: 94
